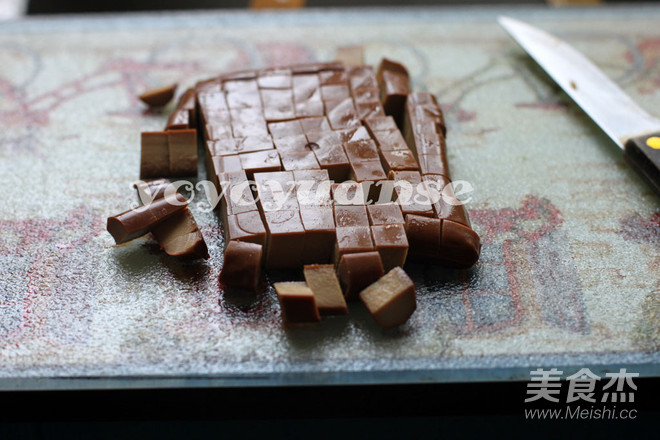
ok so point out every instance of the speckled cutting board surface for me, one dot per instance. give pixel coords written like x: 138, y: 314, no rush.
x: 569, y: 268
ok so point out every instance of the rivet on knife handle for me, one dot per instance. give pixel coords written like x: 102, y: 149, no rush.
x: 643, y: 154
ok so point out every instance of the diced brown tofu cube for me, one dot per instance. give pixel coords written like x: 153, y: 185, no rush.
x: 245, y: 226
x: 385, y: 214
x: 322, y: 280
x: 320, y: 235
x: 392, y: 299
x: 353, y: 239
x: 391, y: 243
x: 357, y: 271
x: 351, y: 215
x: 241, y: 267
x: 286, y: 239
x: 297, y: 302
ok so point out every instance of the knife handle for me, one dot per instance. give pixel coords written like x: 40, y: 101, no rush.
x: 643, y: 154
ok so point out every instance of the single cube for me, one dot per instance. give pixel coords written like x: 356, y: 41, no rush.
x: 354, y: 134
x: 183, y: 152
x: 245, y: 226
x: 297, y: 302
x: 341, y: 114
x: 241, y: 267
x: 322, y: 280
x: 366, y: 94
x: 362, y: 76
x: 285, y: 129
x: 292, y: 144
x: 433, y: 164
x: 236, y: 194
x: 392, y: 299
x: 315, y: 124
x: 424, y: 237
x: 445, y: 203
x: 276, y: 191
x: 303, y: 160
x: 260, y: 162
x: 391, y: 140
x: 333, y: 159
x: 410, y: 193
x: 351, y: 215
x: 391, y: 243
x: 275, y: 79
x: 313, y: 188
x: 369, y: 109
x: 357, y: 271
x: 286, y: 239
x: 359, y: 151
x: 155, y: 155
x: 380, y: 123
x: 353, y: 239
x: 256, y: 142
x: 398, y: 160
x: 334, y: 92
x: 350, y: 193
x: 217, y: 130
x: 385, y: 214
x: 320, y: 235
x: 309, y: 108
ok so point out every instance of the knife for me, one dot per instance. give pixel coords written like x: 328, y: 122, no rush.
x: 635, y: 131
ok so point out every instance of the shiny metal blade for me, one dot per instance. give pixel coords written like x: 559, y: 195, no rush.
x: 618, y: 115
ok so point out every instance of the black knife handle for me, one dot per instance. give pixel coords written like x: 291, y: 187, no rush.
x: 643, y: 154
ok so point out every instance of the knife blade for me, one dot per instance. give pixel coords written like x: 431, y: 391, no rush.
x: 632, y: 128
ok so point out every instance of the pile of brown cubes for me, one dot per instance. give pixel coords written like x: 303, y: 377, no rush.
x: 320, y: 167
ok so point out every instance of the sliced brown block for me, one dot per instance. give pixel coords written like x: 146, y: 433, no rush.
x: 392, y: 299
x: 398, y: 160
x: 385, y: 214
x: 136, y: 222
x: 260, y: 162
x: 313, y: 188
x: 274, y: 79
x: 333, y: 159
x: 353, y: 239
x: 350, y: 193
x: 217, y: 131
x: 306, y: 88
x: 354, y: 134
x: 380, y: 123
x: 433, y: 164
x: 158, y: 97
x: 362, y: 76
x: 245, y: 226
x: 364, y: 150
x: 333, y: 92
x: 369, y: 109
x: 285, y: 129
x: 276, y: 191
x: 179, y: 236
x: 342, y: 114
x: 322, y: 280
x: 446, y: 205
x: 410, y: 193
x: 236, y: 193
x: 333, y: 77
x: 315, y: 124
x: 278, y: 104
x: 154, y: 155
x: 394, y: 88
x: 424, y: 237
x: 243, y: 99
x: 183, y: 152
x: 297, y: 302
x: 248, y: 122
x: 286, y: 239
x: 351, y: 215
x: 299, y: 160
x: 390, y: 140
x: 292, y: 144
x: 363, y: 95
x: 391, y: 243
x: 179, y: 119
x: 212, y: 101
x: 227, y: 164
x: 320, y: 235
x: 309, y: 108
x: 461, y: 245
x: 241, y: 267
x: 357, y: 271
